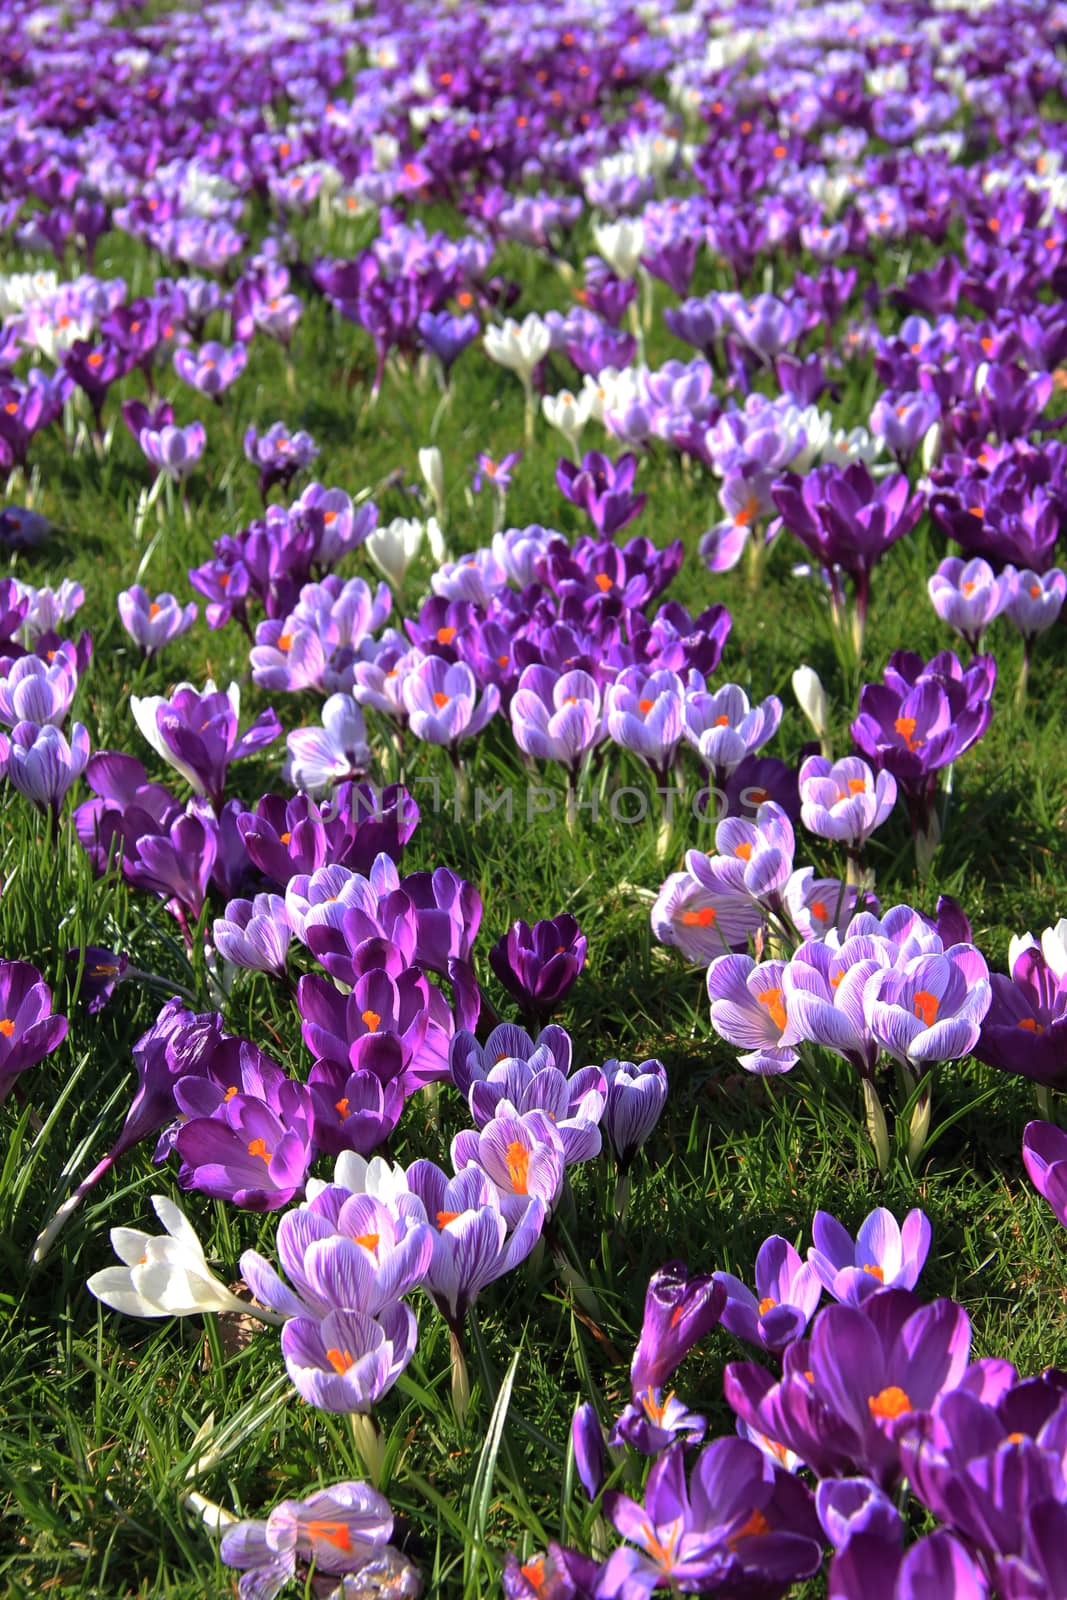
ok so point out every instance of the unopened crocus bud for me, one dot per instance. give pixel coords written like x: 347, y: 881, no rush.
x: 811, y: 698
x: 587, y: 1439
x: 432, y: 468
x: 679, y: 1311
x: 635, y: 1100
x: 540, y: 965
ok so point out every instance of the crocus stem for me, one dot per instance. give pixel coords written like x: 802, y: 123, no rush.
x: 754, y: 559
x: 1024, y: 676
x: 48, y: 1235
x: 876, y: 1125
x: 369, y: 1444
x: 1044, y: 1102
x: 622, y: 1196
x: 531, y: 411
x: 461, y: 1382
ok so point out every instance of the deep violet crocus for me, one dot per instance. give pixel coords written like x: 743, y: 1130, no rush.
x: 787, y: 1293
x: 253, y: 1152
x: 884, y: 1254
x: 197, y: 734
x: 539, y: 966
x: 603, y: 489
x: 679, y: 1310
x: 29, y: 1030
x: 1045, y: 1160
x: 1024, y: 1030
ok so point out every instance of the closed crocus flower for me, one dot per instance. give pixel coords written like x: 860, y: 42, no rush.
x: 644, y: 713
x: 174, y: 451
x: 394, y: 546
x: 154, y: 623
x: 442, y: 702
x: 28, y: 1029
x: 556, y: 717
x: 32, y: 690
x: 968, y: 595
x: 254, y: 934
x: 1045, y: 1160
x: 212, y: 368
x: 635, y: 1099
x: 519, y: 346
x: 197, y: 733
x: 538, y: 966
x: 811, y: 698
x: 679, y: 1310
x: 1035, y: 599
x: 844, y: 800
x: 621, y: 244
x: 41, y: 765
x: 166, y: 1275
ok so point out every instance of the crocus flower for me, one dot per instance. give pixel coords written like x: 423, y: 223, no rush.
x: 174, y: 451
x: 603, y: 489
x: 883, y: 1254
x: 523, y: 1156
x: 197, y: 733
x: 540, y: 965
x: 321, y: 757
x: 249, y: 1151
x: 967, y: 595
x: 394, y: 546
x: 166, y: 1275
x: 1035, y: 599
x: 844, y: 800
x: 254, y: 934
x: 787, y: 1293
x: 442, y: 702
x: 1045, y: 1159
x: 343, y: 1530
x: 644, y: 713
x: 346, y: 1361
x: 41, y: 765
x: 154, y: 623
x: 748, y: 1009
x: 703, y: 921
x: 873, y: 1567
x: 930, y: 1008
x: 724, y: 729
x: 654, y: 1421
x: 1025, y: 1027
x: 556, y: 717
x: 32, y: 690
x: 212, y: 368
x: 101, y: 972
x: 28, y: 1029
x: 679, y: 1310
x: 519, y: 346
x: 635, y: 1100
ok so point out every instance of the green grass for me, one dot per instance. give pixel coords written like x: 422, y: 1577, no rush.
x: 98, y: 1414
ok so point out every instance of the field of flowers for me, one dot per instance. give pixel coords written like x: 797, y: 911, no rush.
x: 533, y: 897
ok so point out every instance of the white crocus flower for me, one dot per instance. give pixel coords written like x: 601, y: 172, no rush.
x: 145, y: 707
x: 394, y: 546
x: 432, y: 468
x: 519, y: 346
x: 360, y: 1176
x: 166, y: 1275
x: 811, y: 697
x: 569, y: 413
x: 621, y: 244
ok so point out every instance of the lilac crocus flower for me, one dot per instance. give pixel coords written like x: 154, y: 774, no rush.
x: 902, y: 421
x: 32, y: 690
x: 41, y: 765
x: 442, y: 703
x: 447, y: 336
x: 253, y: 1152
x: 154, y: 623
x: 644, y: 713
x: 28, y: 1029
x: 254, y: 934
x: 279, y: 454
x: 1045, y: 1160
x: 1035, y: 599
x: 884, y: 1254
x: 197, y: 734
x: 679, y: 1310
x: 174, y: 451
x: 748, y: 1009
x: 556, y: 717
x: 343, y: 1530
x: 524, y: 1157
x: 967, y: 595
x: 635, y: 1100
x: 844, y: 800
x: 473, y: 1245
x: 212, y: 368
x: 319, y: 758
x: 787, y: 1293
x: 346, y: 1361
x: 930, y: 1008
x: 539, y: 966
x: 603, y: 489
x: 823, y: 988
x: 701, y: 920
x: 723, y: 728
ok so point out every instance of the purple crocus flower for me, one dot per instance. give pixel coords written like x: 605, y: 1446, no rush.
x: 644, y: 713
x: 556, y: 717
x: 679, y: 1310
x: 636, y: 1095
x: 448, y: 336
x: 883, y: 1254
x: 1025, y: 1028
x: 279, y: 454
x: 174, y: 451
x: 590, y: 1457
x: 930, y: 1008
x: 539, y: 966
x: 347, y: 1361
x: 41, y: 765
x: 176, y: 862
x: 254, y: 934
x: 603, y: 489
x: 557, y: 1572
x: 154, y: 623
x: 1045, y: 1160
x: 250, y: 1151
x: 28, y: 1029
x: 212, y: 368
x: 701, y: 919
x: 967, y: 595
x: 442, y: 702
x: 32, y: 690
x: 523, y: 1156
x: 197, y: 734
x: 844, y: 800
x: 1035, y: 599
x: 740, y: 1526
x: 787, y: 1293
x: 903, y: 421
x: 748, y: 1009
x: 872, y: 1566
x: 284, y: 837
x: 723, y: 728
x: 101, y: 972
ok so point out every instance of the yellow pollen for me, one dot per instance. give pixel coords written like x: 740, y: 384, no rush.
x: 285, y: 641
x: 335, y: 1533
x: 369, y: 1241
x: 154, y: 609
x: 771, y: 1000
x: 766, y: 1304
x: 856, y: 786
x: 285, y: 837
x: 925, y: 1007
x: 445, y: 1217
x: 445, y: 635
x: 440, y: 700
x: 230, y: 1092
x: 340, y: 1360
x: 341, y: 1107
x: 906, y: 726
x: 875, y: 1272
x: 704, y: 918
x: 1031, y: 1025
x: 518, y: 1164
x: 757, y: 1524
x: 370, y: 1020
x: 744, y: 851
x: 258, y: 1147
x: 603, y: 582
x: 645, y: 706
x: 889, y: 1403
x: 7, y: 1027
